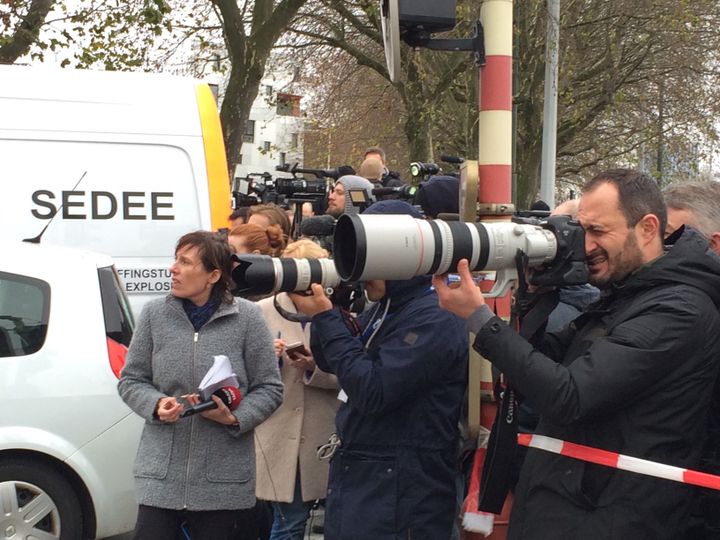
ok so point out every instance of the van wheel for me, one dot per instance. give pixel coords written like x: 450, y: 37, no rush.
x: 36, y: 501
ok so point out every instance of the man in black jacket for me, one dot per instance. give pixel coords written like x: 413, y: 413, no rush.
x: 632, y: 375
x: 697, y: 204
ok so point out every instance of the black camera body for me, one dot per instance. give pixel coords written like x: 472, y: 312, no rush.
x: 291, y: 187
x: 569, y: 266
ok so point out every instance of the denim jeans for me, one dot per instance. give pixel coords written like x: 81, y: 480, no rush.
x: 289, y: 518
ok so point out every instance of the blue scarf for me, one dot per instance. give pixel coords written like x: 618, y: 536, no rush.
x: 199, y: 315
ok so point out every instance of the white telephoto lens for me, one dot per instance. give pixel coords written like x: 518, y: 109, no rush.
x: 397, y: 247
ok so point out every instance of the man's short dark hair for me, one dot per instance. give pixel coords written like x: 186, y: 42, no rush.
x: 638, y: 194
x: 375, y: 150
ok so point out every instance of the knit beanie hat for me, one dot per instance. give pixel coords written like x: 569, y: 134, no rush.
x: 393, y: 206
x: 355, y: 182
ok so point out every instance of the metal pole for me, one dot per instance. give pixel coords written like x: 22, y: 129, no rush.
x: 549, y: 141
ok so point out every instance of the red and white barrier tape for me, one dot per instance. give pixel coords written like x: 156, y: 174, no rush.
x: 619, y: 461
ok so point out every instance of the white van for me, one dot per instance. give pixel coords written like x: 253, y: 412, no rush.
x: 126, y: 162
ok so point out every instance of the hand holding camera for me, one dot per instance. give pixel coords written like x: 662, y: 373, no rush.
x: 462, y: 298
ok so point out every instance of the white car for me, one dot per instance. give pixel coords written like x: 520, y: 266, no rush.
x: 67, y: 441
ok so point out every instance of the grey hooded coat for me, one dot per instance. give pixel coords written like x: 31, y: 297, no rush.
x: 196, y: 463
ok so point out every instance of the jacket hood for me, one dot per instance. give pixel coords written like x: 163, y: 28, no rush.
x: 401, y: 292
x: 439, y: 195
x: 689, y: 261
x: 349, y: 182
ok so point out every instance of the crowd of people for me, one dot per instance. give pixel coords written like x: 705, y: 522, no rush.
x: 361, y: 410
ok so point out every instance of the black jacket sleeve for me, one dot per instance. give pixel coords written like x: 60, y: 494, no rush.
x: 615, y: 370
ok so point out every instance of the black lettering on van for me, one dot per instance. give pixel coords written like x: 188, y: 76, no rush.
x: 156, y: 204
x: 104, y: 205
x: 96, y: 207
x: 67, y: 204
x: 45, y: 204
x: 127, y: 205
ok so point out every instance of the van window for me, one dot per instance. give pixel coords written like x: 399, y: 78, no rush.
x: 116, y: 310
x: 24, y: 309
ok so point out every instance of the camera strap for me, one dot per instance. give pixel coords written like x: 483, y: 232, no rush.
x: 502, y: 444
x: 495, y: 478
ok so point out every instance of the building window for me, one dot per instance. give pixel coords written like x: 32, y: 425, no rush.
x: 266, y: 146
x: 268, y: 90
x: 249, y: 132
x: 294, y: 140
x: 283, y: 158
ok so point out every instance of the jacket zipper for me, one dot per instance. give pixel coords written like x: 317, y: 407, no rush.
x: 192, y: 425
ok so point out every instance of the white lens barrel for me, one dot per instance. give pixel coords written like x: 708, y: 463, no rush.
x: 505, y: 238
x: 397, y: 247
x: 297, y: 274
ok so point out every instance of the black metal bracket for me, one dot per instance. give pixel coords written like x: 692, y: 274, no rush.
x: 423, y: 38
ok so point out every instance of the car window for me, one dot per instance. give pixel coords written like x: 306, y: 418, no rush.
x: 24, y: 309
x: 119, y: 322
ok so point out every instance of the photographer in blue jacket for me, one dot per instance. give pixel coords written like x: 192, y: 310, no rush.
x: 403, y: 371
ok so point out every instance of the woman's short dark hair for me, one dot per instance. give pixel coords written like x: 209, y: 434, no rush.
x: 638, y: 194
x: 214, y: 254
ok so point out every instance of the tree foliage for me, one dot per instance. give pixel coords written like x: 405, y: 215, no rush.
x: 349, y: 33
x: 638, y: 86
x: 84, y: 33
x: 638, y: 79
x: 20, y: 24
x: 233, y: 37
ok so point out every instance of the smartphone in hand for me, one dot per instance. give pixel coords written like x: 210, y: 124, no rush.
x: 293, y: 349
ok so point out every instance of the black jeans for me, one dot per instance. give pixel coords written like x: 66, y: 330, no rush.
x: 162, y: 524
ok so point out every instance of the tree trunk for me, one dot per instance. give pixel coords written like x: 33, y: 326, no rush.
x: 248, y: 56
x: 242, y: 89
x: 26, y: 32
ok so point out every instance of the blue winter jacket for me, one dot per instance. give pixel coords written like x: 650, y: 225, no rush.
x: 405, y: 377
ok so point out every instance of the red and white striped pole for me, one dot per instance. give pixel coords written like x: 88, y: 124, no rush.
x: 495, y: 122
x: 494, y: 192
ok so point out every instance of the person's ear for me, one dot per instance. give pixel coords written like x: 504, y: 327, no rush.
x: 649, y: 228
x: 214, y: 276
x: 714, y: 240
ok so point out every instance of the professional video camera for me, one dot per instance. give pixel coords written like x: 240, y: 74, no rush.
x: 255, y: 188
x: 333, y: 174
x: 300, y: 186
x: 400, y: 247
x: 418, y: 169
x: 261, y: 274
x: 406, y: 192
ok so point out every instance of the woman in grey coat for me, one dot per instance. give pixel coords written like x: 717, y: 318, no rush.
x: 200, y: 469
